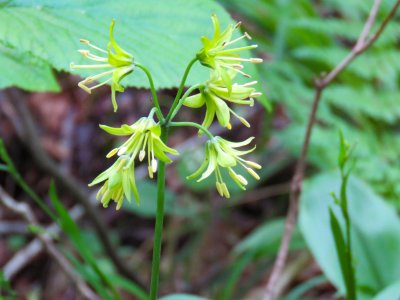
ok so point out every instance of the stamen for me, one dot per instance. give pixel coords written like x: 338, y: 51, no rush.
x: 252, y: 164
x: 241, y: 119
x: 241, y: 179
x: 219, y: 189
x: 112, y: 153
x: 235, y: 69
x: 236, y: 40
x: 86, y: 42
x: 122, y: 150
x: 86, y: 88
x: 248, y: 36
x: 154, y: 165
x: 87, y: 54
x: 82, y: 85
x: 256, y: 60
x: 225, y: 190
x: 228, y: 51
x: 252, y: 173
x: 99, y: 66
x: 250, y: 83
x: 255, y: 94
x: 150, y: 172
x: 142, y: 155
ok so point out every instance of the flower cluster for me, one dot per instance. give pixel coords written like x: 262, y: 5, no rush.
x: 215, y: 94
x: 118, y: 62
x: 144, y: 139
x: 217, y: 54
x: 222, y: 153
x: 144, y: 136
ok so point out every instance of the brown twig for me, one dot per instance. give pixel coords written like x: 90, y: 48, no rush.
x: 69, y: 184
x: 363, y: 43
x: 23, y: 210
x: 30, y: 251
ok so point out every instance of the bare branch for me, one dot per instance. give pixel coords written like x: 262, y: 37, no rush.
x: 25, y: 212
x: 363, y: 43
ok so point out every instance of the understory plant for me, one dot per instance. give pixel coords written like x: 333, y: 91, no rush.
x: 147, y: 138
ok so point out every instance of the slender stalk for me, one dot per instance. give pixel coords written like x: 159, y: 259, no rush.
x: 153, y: 92
x: 181, y: 86
x: 155, y: 267
x: 192, y: 124
x: 352, y: 288
x: 170, y: 116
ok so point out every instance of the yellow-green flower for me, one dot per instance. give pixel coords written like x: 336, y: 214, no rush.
x: 217, y: 53
x: 118, y: 61
x: 144, y: 139
x: 119, y: 183
x: 222, y: 153
x: 214, y: 95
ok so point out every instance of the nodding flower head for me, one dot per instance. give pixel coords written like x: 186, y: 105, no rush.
x: 217, y: 53
x: 119, y: 183
x: 215, y: 95
x: 117, y: 62
x: 144, y: 140
x: 221, y: 153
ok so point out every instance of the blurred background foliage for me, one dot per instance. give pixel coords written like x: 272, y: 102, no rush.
x: 213, y: 248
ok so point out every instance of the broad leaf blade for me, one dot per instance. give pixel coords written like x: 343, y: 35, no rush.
x: 25, y: 71
x: 162, y: 35
x: 375, y: 225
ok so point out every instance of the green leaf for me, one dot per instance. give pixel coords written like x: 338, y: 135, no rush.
x: 375, y: 235
x: 162, y: 35
x: 129, y: 286
x: 182, y: 297
x: 340, y: 246
x: 25, y: 71
x: 390, y: 293
x: 265, y: 239
x: 69, y: 226
x: 148, y: 203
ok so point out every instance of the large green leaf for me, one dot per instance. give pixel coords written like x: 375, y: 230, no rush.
x: 162, y: 35
x: 376, y: 232
x: 25, y: 71
x: 390, y: 293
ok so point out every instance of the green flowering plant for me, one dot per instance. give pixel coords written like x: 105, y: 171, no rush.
x: 118, y: 62
x: 149, y: 136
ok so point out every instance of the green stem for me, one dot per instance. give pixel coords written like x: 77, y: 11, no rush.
x: 192, y: 124
x: 181, y: 86
x: 352, y: 289
x: 153, y: 92
x: 173, y: 112
x: 155, y: 267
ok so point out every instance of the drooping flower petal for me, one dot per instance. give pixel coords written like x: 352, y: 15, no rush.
x: 220, y: 153
x: 119, y: 62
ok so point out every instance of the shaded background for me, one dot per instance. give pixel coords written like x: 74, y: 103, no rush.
x: 216, y: 248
